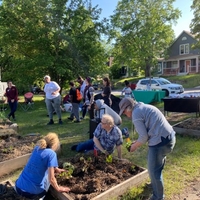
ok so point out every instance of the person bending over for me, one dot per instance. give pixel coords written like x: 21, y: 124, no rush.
x: 39, y: 172
x: 152, y: 128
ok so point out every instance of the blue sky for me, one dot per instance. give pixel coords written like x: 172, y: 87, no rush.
x: 108, y: 6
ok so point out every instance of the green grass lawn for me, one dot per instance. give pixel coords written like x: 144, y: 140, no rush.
x: 182, y: 166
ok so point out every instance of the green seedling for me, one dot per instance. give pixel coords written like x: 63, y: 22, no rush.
x: 109, y: 159
x: 128, y: 144
x: 69, y: 171
x: 86, y: 163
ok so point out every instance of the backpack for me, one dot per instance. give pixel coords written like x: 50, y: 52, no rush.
x: 78, y: 95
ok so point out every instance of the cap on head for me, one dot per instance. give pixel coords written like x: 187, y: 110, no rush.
x: 46, y: 76
x: 126, y: 102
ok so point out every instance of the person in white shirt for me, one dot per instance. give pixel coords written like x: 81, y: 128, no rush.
x: 127, y: 91
x: 52, y: 99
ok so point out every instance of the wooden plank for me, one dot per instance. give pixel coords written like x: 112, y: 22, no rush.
x: 181, y: 122
x: 9, y: 166
x: 123, y: 187
x: 188, y: 132
x: 184, y: 131
x: 60, y: 195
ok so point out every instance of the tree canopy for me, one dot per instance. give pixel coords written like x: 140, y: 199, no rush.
x: 61, y: 38
x: 143, y: 31
x: 195, y: 23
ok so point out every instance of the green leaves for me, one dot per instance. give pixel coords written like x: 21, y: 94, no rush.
x: 145, y: 31
x: 51, y: 37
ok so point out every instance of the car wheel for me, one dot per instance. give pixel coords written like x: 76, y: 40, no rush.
x: 166, y: 92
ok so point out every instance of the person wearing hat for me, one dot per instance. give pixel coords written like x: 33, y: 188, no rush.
x: 152, y: 128
x: 52, y: 99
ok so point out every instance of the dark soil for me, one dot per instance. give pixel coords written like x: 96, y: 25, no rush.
x: 93, y: 176
x: 192, y: 123
x: 14, y: 145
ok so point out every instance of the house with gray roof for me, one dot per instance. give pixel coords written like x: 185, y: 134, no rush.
x: 182, y: 58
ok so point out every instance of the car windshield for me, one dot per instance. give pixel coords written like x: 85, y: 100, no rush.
x: 163, y: 81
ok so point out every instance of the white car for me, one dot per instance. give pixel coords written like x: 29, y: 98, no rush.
x: 159, y: 84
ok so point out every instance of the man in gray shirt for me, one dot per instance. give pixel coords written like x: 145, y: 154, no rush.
x: 152, y: 128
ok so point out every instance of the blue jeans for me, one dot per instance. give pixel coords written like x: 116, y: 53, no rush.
x: 28, y: 195
x: 85, y: 146
x: 13, y: 108
x: 156, y: 161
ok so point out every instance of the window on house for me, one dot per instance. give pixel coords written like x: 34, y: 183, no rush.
x: 169, y: 64
x: 184, y: 49
x: 174, y: 64
x: 159, y: 67
x: 193, y: 62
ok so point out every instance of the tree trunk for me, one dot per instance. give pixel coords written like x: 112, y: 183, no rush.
x: 148, y: 70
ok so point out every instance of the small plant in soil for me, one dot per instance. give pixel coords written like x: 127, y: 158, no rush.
x: 69, y: 171
x: 128, y: 144
x: 109, y: 159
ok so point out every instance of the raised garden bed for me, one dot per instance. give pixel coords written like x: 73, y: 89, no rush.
x: 15, y: 151
x: 95, y: 180
x: 188, y: 127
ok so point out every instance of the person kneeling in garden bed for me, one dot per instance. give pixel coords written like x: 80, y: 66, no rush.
x: 39, y: 172
x: 107, y: 136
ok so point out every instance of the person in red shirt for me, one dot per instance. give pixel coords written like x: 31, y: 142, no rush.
x: 12, y: 99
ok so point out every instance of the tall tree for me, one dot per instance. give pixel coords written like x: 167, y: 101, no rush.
x: 56, y: 37
x: 144, y: 30
x: 195, y: 23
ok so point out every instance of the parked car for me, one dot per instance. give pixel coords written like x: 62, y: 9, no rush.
x: 156, y: 83
x: 95, y: 86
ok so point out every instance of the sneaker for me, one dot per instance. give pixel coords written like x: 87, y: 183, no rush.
x: 70, y: 118
x: 60, y: 121
x: 50, y: 122
x: 73, y: 148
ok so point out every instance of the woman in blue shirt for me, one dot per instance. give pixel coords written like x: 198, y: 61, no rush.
x: 38, y: 174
